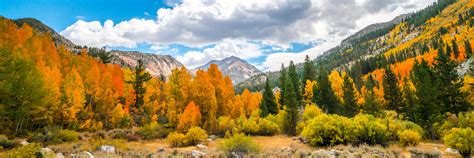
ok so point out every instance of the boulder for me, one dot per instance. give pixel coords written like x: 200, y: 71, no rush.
x: 59, y: 155
x: 160, y: 149
x: 107, y: 149
x: 212, y: 137
x: 201, y: 146
x: 452, y: 151
x: 196, y: 153
x: 84, y: 154
x: 24, y: 142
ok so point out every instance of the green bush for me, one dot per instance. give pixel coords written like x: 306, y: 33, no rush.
x: 29, y: 150
x: 325, y: 130
x: 268, y: 128
x: 250, y: 126
x: 55, y: 137
x: 66, y: 136
x: 239, y: 143
x: 369, y: 130
x: 409, y: 137
x: 461, y: 139
x: 176, y: 139
x: 153, y: 130
x: 7, y: 144
x: 463, y: 120
x: 195, y: 135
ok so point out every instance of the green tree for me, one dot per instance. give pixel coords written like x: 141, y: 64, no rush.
x: 391, y: 91
x: 350, y: 103
x: 139, y: 78
x: 291, y: 108
x: 324, y: 96
x: 282, y: 78
x: 308, y: 71
x: 293, y: 76
x: 455, y: 48
x: 427, y: 110
x: 409, y: 100
x: 268, y: 105
x: 371, y: 105
x: 22, y: 94
x: 451, y: 97
x: 467, y: 46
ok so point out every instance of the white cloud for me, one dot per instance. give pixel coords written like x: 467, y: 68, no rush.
x: 197, y: 23
x: 228, y: 47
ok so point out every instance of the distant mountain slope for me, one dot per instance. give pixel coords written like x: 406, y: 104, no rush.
x: 155, y: 64
x: 396, y: 41
x: 238, y: 69
x: 42, y: 28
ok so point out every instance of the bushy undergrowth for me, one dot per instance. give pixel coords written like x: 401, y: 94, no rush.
x: 239, y: 143
x: 409, y: 137
x: 325, y: 130
x: 254, y: 125
x: 193, y: 137
x: 153, y: 130
x: 461, y: 139
x: 55, y: 137
x: 29, y: 150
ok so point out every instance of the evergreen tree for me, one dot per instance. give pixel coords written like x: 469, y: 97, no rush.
x: 268, y: 105
x: 468, y: 49
x: 391, y: 91
x: 427, y: 109
x: 140, y: 77
x: 409, y: 100
x: 291, y: 108
x: 350, y: 104
x: 455, y: 48
x: 371, y: 105
x: 451, y: 97
x: 293, y: 76
x: 308, y: 71
x: 323, y: 94
x: 282, y: 78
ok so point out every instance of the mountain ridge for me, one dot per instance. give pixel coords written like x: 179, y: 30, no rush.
x: 238, y: 69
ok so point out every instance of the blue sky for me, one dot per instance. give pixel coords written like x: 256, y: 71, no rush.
x: 266, y: 33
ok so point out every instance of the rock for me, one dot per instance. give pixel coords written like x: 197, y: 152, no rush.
x: 196, y: 153
x: 160, y: 149
x: 107, y: 149
x: 59, y: 155
x: 24, y: 142
x: 213, y: 137
x: 452, y: 151
x: 201, y: 146
x: 85, y: 154
x: 45, y: 152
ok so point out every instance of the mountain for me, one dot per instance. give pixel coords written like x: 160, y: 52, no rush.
x: 42, y: 28
x: 396, y: 43
x: 238, y: 69
x: 155, y: 64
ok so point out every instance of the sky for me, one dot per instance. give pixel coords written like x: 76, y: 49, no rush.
x: 266, y: 33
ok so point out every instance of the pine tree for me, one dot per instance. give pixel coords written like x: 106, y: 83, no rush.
x: 409, y: 100
x: 291, y: 108
x: 468, y: 48
x: 451, y: 97
x: 308, y: 71
x: 371, y: 105
x: 427, y: 109
x: 323, y: 94
x: 391, y: 91
x: 455, y: 49
x: 140, y: 77
x: 350, y: 106
x: 268, y: 105
x: 293, y: 76
x: 283, y: 76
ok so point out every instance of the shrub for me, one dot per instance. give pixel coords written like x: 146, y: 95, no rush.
x: 153, y: 130
x: 464, y: 120
x: 327, y: 130
x: 369, y: 130
x: 461, y: 139
x: 310, y: 112
x: 225, y: 124
x: 29, y: 150
x: 250, y: 126
x: 7, y: 144
x: 239, y: 143
x: 267, y: 127
x: 66, y: 136
x: 95, y: 143
x: 195, y: 135
x: 176, y: 139
x: 409, y: 137
x: 126, y: 134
